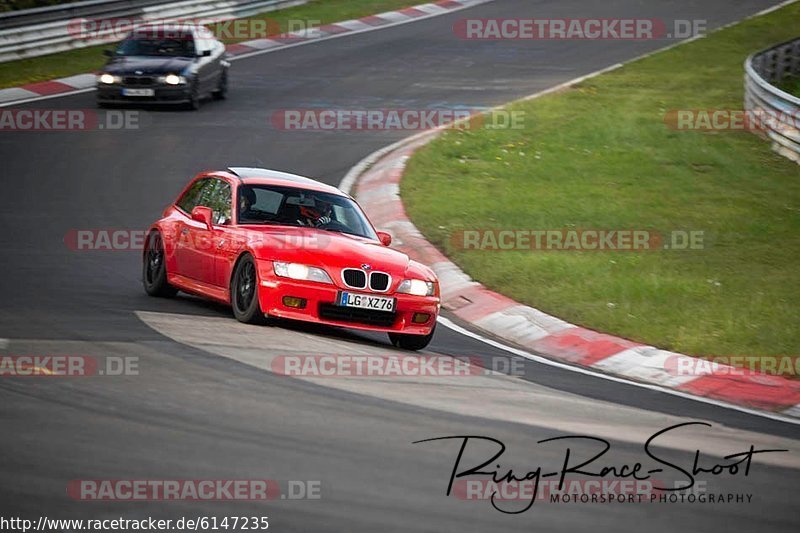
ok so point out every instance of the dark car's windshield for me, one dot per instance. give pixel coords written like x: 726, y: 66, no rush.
x: 290, y: 206
x: 178, y: 46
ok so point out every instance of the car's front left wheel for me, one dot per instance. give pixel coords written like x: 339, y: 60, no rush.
x: 221, y: 93
x: 411, y: 342
x: 154, y: 268
x: 194, y: 96
x: 244, y: 292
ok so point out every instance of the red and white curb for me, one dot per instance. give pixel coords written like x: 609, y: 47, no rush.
x: 86, y: 82
x: 376, y: 185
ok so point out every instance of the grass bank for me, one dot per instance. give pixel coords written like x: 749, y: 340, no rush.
x: 600, y: 156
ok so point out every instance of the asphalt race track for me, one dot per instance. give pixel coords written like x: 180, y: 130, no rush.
x: 205, y: 406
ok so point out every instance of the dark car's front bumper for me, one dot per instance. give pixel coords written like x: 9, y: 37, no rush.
x: 162, y: 94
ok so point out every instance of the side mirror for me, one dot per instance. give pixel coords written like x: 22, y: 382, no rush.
x: 385, y: 238
x: 204, y: 53
x: 108, y: 53
x: 202, y: 214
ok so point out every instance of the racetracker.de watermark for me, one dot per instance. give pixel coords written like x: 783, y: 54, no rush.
x: 579, y: 29
x: 127, y: 240
x: 338, y: 119
x: 627, y: 240
x: 606, y: 491
x: 756, y: 120
x: 67, y: 366
x: 734, y: 365
x: 393, y: 366
x: 201, y: 490
x: 222, y: 28
x: 61, y: 120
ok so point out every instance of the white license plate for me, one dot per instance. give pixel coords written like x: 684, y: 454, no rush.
x: 138, y: 92
x: 365, y: 301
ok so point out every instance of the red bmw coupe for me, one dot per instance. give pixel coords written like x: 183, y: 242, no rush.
x: 272, y: 244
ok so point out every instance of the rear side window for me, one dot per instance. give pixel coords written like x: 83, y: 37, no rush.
x: 189, y: 200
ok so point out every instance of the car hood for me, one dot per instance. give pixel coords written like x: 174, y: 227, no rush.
x: 147, y: 65
x: 332, y: 251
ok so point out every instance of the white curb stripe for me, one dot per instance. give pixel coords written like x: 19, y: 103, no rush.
x: 522, y: 325
x: 15, y: 93
x: 649, y: 364
x: 431, y: 8
x: 395, y: 16
x: 354, y: 25
x: 262, y: 44
x: 793, y: 411
x: 79, y: 81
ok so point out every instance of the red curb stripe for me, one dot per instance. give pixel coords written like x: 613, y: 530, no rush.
x: 767, y: 392
x: 333, y: 29
x: 477, y: 302
x: 581, y: 345
x: 238, y: 48
x: 373, y: 20
x: 412, y: 12
x: 45, y: 88
x: 449, y: 4
x: 288, y: 39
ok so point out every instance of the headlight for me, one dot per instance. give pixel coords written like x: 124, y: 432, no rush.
x: 108, y: 79
x: 417, y: 287
x: 172, y: 79
x: 302, y: 272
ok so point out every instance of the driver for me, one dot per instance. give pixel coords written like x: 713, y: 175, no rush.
x: 319, y: 215
x: 247, y: 197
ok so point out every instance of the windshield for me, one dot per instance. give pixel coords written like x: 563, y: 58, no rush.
x: 290, y: 206
x: 177, y: 46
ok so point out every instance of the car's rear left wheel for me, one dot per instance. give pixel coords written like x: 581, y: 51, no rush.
x: 411, y: 342
x: 244, y: 292
x: 154, y: 268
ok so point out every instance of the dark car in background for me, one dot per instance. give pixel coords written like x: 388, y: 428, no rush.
x: 165, y: 63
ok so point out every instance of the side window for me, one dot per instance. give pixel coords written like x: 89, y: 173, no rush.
x: 190, y: 198
x: 220, y: 202
x: 268, y: 201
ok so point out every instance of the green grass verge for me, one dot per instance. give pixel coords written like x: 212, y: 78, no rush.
x: 600, y: 156
x: 792, y: 86
x: 89, y: 59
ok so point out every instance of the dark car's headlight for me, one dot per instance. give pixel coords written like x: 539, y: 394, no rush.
x: 172, y: 79
x: 108, y: 79
x: 417, y: 287
x: 301, y: 272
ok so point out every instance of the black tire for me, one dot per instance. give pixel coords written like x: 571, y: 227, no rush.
x: 222, y: 89
x: 411, y: 342
x: 154, y: 268
x: 244, y: 292
x: 194, y: 97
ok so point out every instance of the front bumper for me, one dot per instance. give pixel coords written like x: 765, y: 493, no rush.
x: 178, y: 94
x: 320, y: 306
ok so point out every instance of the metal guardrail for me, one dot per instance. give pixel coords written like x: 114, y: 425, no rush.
x: 47, y: 30
x: 778, y: 110
x: 89, y: 8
